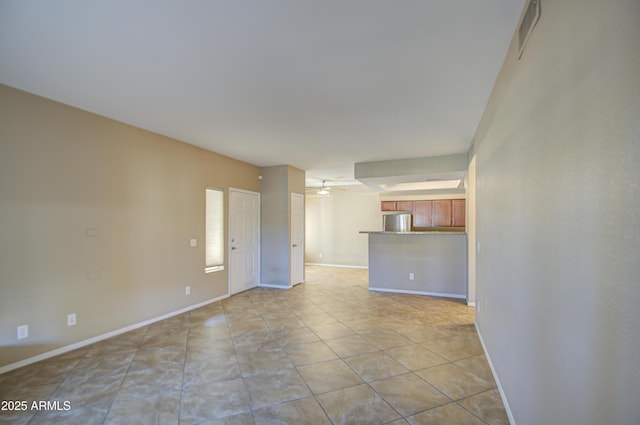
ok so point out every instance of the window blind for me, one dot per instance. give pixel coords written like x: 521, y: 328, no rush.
x: 214, y: 232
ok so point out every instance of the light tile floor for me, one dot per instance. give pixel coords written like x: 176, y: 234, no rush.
x: 325, y: 352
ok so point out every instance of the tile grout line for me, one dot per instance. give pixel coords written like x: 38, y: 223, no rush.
x: 106, y: 416
x: 294, y: 305
x: 184, y: 373
x: 233, y: 343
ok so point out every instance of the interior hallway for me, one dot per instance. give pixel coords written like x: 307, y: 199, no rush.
x: 327, y: 351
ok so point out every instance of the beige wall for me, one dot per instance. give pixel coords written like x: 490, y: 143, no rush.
x: 333, y: 224
x: 66, y: 174
x: 437, y: 262
x: 274, y: 229
x: 278, y: 182
x: 557, y: 154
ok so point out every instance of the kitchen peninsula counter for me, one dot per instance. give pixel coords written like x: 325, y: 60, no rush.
x: 422, y: 262
x: 419, y: 232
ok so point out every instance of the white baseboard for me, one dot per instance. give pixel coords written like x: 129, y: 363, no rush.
x: 471, y: 304
x: 512, y: 421
x: 343, y: 266
x: 104, y: 336
x: 431, y: 294
x: 269, y: 285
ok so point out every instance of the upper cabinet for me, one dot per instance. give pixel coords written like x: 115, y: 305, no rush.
x: 422, y: 213
x: 396, y: 206
x: 388, y: 206
x: 436, y: 213
x: 458, y: 212
x: 404, y: 205
x: 441, y: 215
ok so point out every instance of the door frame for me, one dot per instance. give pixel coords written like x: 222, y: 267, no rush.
x: 249, y: 192
x: 472, y: 241
x: 302, y: 234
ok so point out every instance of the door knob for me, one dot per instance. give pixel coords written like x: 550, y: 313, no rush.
x: 233, y: 247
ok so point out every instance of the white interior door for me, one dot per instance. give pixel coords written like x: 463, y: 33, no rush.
x: 244, y: 240
x: 297, y: 238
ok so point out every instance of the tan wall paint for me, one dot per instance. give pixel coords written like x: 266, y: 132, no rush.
x: 63, y: 172
x: 295, y: 184
x: 333, y: 224
x: 296, y: 180
x: 557, y: 154
x: 278, y: 182
x: 274, y: 231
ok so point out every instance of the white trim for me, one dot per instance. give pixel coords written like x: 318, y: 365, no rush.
x: 512, y: 421
x: 431, y: 294
x: 344, y: 266
x: 104, y: 336
x: 267, y: 285
x: 471, y: 304
x: 248, y: 192
x: 213, y: 269
x: 214, y: 256
x: 300, y: 232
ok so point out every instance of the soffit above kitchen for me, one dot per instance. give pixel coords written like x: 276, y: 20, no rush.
x: 319, y: 85
x: 438, y: 174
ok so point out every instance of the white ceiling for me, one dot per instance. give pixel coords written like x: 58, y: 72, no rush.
x: 319, y: 84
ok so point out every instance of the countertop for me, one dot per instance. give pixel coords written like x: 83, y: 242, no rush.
x: 426, y: 232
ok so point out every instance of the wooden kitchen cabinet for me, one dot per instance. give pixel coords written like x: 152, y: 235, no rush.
x: 388, y: 206
x: 436, y: 213
x: 422, y: 213
x: 396, y: 205
x: 441, y: 214
x: 458, y: 207
x: 404, y: 205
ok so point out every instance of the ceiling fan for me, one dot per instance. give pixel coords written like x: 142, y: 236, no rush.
x: 324, y: 190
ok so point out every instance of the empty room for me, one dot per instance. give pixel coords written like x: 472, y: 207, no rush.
x: 319, y: 212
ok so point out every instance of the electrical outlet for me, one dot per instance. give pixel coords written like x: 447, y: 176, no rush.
x: 93, y: 233
x: 22, y: 332
x: 187, y: 290
x: 411, y: 276
x: 193, y: 242
x: 71, y: 319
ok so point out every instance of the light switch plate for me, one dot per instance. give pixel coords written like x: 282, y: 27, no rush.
x: 93, y: 233
x: 193, y: 242
x: 71, y: 319
x: 22, y: 331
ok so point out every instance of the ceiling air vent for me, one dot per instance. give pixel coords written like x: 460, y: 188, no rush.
x: 528, y: 21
